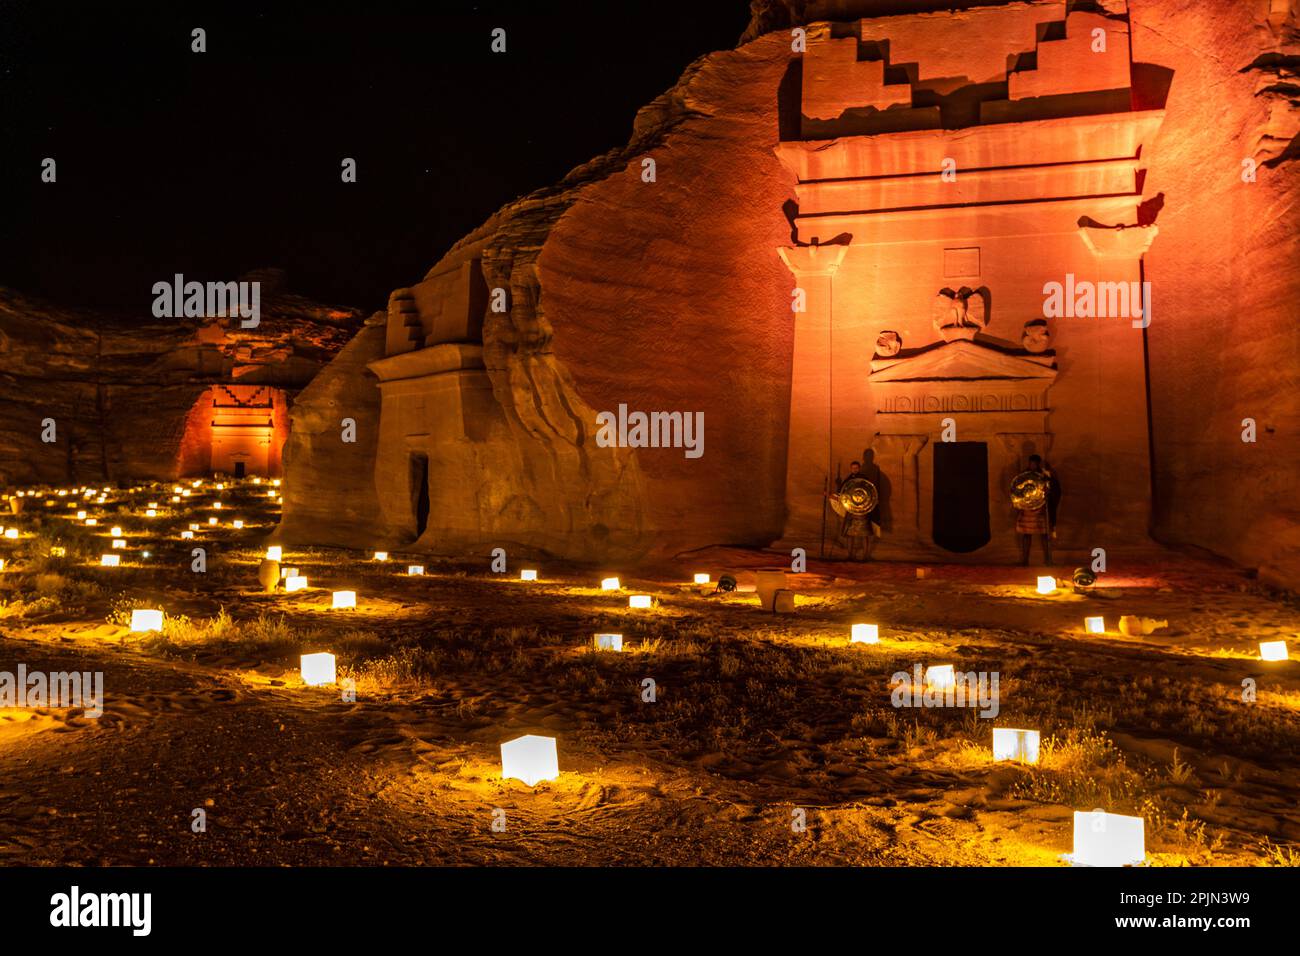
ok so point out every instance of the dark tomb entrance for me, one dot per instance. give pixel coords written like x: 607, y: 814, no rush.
x: 239, y: 469
x: 420, y: 491
x: 961, y: 495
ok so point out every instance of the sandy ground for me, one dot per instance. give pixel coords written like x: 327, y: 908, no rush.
x: 759, y: 721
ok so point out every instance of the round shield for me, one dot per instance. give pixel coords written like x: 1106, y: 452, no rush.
x: 726, y: 583
x: 1029, y: 490
x: 1084, y: 577
x: 858, y: 496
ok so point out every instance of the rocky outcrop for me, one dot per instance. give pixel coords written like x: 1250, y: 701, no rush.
x: 121, y: 392
x: 1225, y: 337
x: 329, y: 495
x: 664, y: 292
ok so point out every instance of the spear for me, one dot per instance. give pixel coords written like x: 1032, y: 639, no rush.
x: 826, y: 491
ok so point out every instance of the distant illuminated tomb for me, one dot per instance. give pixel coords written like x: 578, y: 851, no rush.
x: 236, y: 430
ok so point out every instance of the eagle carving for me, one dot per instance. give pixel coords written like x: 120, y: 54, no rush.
x: 960, y: 314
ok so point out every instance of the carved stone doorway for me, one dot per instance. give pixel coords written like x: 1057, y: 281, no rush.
x: 961, y: 496
x: 420, y: 491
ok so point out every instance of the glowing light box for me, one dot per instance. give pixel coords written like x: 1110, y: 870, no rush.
x: 530, y: 758
x: 415, y: 569
x: 609, y: 642
x: 109, y: 560
x: 610, y: 584
x: 381, y: 555
x: 1108, y: 839
x: 639, y: 601
x: 119, y: 542
x: 865, y: 634
x: 701, y: 579
x: 317, y: 669
x: 1012, y: 744
x: 186, y: 535
x: 940, y: 676
x: 274, y: 552
x: 344, y: 599
x: 1094, y: 625
x: 115, y: 531
x: 295, y: 582
x: 528, y: 575
x: 1046, y: 584
x: 146, y: 620
x: 1272, y: 651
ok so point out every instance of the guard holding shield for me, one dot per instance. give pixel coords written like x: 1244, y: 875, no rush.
x: 855, y: 501
x: 1035, y: 494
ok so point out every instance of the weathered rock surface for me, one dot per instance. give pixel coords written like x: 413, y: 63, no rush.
x: 669, y: 296
x: 120, y: 392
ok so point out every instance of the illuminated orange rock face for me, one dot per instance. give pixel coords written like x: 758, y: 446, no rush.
x: 942, y: 221
x: 919, y: 181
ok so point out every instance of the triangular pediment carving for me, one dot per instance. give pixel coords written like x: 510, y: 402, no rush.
x: 963, y: 360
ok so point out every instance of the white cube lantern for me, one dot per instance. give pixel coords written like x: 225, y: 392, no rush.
x: 1012, y: 744
x: 146, y: 620
x: 1046, y: 584
x: 91, y: 522
x: 344, y: 599
x: 295, y: 582
x: 609, y: 642
x: 176, y: 499
x: 152, y: 504
x: 865, y: 634
x: 415, y: 569
x: 1094, y: 625
x: 274, y: 552
x: 119, y: 542
x: 317, y: 669
x: 940, y: 677
x: 1272, y: 651
x: 238, y: 523
x: 1108, y: 839
x: 195, y: 527
x: 531, y: 759
x: 212, y: 521
x: 81, y: 516
x: 11, y: 533
x: 701, y: 579
x: 109, y: 560
x: 381, y: 555
x: 217, y: 504
x: 151, y: 513
x: 528, y: 574
x: 115, y: 531
x: 186, y: 535
x: 639, y: 601
x: 609, y: 584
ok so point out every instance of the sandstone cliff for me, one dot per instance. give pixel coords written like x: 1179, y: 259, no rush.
x: 120, y: 391
x: 669, y: 295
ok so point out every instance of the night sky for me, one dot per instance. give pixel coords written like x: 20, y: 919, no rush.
x: 213, y: 164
